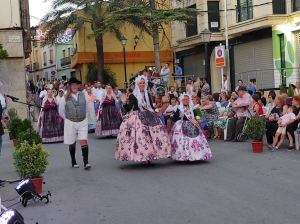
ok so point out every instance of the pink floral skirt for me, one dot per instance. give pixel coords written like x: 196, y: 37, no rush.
x: 188, y: 142
x: 142, y: 137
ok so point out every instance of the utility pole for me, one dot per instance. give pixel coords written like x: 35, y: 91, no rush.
x: 227, y: 49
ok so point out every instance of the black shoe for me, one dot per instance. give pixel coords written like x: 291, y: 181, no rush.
x: 235, y: 140
x: 143, y: 163
x: 228, y: 139
x: 151, y: 163
x: 290, y: 148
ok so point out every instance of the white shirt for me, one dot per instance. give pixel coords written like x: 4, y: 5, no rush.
x: 119, y: 95
x: 98, y: 93
x: 44, y: 92
x: 2, y: 99
x: 58, y: 98
x: 62, y: 105
x: 224, y: 86
x: 174, y: 93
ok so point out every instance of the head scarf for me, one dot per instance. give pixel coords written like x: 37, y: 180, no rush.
x: 137, y: 93
x: 191, y: 105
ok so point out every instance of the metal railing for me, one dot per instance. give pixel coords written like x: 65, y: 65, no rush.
x: 34, y: 66
x: 279, y: 6
x: 296, y: 5
x: 269, y: 78
x: 65, y: 61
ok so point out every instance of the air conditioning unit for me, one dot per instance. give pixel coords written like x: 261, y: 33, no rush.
x: 73, y: 51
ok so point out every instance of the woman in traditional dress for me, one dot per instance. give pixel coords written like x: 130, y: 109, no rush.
x: 49, y: 126
x: 188, y: 141
x: 109, y: 120
x: 91, y: 116
x: 142, y: 136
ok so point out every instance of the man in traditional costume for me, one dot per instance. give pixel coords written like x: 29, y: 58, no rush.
x: 73, y: 109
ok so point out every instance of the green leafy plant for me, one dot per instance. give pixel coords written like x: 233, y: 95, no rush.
x: 256, y: 129
x: 282, y: 89
x: 290, y: 91
x: 198, y: 112
x: 25, y: 136
x: 3, y: 53
x: 12, y: 113
x: 109, y: 76
x: 13, y: 126
x: 23, y: 127
x: 30, y: 162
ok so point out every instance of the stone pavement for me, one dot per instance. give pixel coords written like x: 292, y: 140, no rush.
x: 235, y: 186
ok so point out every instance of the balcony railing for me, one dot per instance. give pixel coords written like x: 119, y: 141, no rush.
x: 279, y: 6
x: 34, y: 66
x: 244, y: 10
x: 65, y: 61
x: 296, y: 5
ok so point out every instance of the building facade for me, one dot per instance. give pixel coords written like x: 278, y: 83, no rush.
x: 254, y: 27
x: 137, y: 58
x: 14, y: 29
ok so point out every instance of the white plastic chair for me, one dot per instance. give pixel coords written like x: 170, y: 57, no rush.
x: 221, y: 109
x: 265, y: 110
x: 225, y: 130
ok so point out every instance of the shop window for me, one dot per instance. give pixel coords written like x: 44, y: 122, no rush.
x: 279, y: 6
x: 213, y: 16
x: 244, y: 10
x: 192, y: 30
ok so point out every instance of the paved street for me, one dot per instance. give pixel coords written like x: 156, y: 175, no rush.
x: 236, y: 186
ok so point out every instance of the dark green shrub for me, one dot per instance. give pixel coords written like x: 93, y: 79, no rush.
x: 13, y: 126
x: 23, y: 127
x: 25, y: 136
x: 256, y: 129
x: 290, y: 91
x: 282, y: 88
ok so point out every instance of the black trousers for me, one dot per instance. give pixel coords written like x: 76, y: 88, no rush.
x: 235, y: 127
x: 291, y: 128
x: 271, y: 127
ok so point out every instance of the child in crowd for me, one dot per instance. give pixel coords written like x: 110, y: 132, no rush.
x: 285, y: 120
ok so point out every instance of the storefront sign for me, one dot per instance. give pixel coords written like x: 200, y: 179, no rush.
x: 220, y: 56
x: 14, y: 39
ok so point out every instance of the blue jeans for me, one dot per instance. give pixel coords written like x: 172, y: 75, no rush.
x: 1, y: 140
x: 165, y: 83
x: 4, y: 111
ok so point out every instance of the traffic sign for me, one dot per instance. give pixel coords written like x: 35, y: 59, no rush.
x: 220, y: 56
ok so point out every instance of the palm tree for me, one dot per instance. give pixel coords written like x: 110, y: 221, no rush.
x: 78, y: 12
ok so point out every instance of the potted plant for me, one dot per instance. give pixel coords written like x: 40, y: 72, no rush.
x: 13, y: 128
x: 12, y: 113
x: 30, y: 162
x: 255, y: 130
x: 25, y: 136
x: 23, y: 127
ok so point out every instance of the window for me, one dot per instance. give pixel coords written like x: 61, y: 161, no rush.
x: 69, y: 52
x: 279, y: 6
x: 213, y: 16
x: 244, y: 10
x: 192, y: 30
x: 64, y: 53
x: 45, y: 58
x: 282, y: 58
x: 51, y: 56
x: 296, y: 5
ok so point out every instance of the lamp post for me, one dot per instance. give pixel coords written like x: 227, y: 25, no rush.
x: 32, y: 34
x: 205, y: 36
x: 123, y: 41
x: 136, y: 40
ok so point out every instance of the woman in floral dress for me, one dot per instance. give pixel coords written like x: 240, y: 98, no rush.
x: 188, y: 141
x: 50, y: 128
x: 109, y: 120
x: 142, y: 136
x: 221, y: 123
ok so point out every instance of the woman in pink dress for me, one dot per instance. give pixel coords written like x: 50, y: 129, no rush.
x: 91, y: 116
x: 142, y: 136
x: 109, y: 120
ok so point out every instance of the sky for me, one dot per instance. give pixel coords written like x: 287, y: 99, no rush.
x: 38, y: 8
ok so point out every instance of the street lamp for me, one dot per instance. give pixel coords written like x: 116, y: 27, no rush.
x: 32, y: 31
x: 136, y: 40
x: 123, y: 41
x: 205, y: 36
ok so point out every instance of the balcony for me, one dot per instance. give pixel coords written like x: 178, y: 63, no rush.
x: 244, y: 10
x: 295, y: 5
x: 279, y: 6
x: 65, y: 61
x: 34, y: 66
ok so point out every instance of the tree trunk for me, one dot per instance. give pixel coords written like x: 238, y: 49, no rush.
x: 100, y: 56
x: 155, y: 40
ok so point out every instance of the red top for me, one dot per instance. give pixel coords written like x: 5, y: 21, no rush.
x: 260, y: 110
